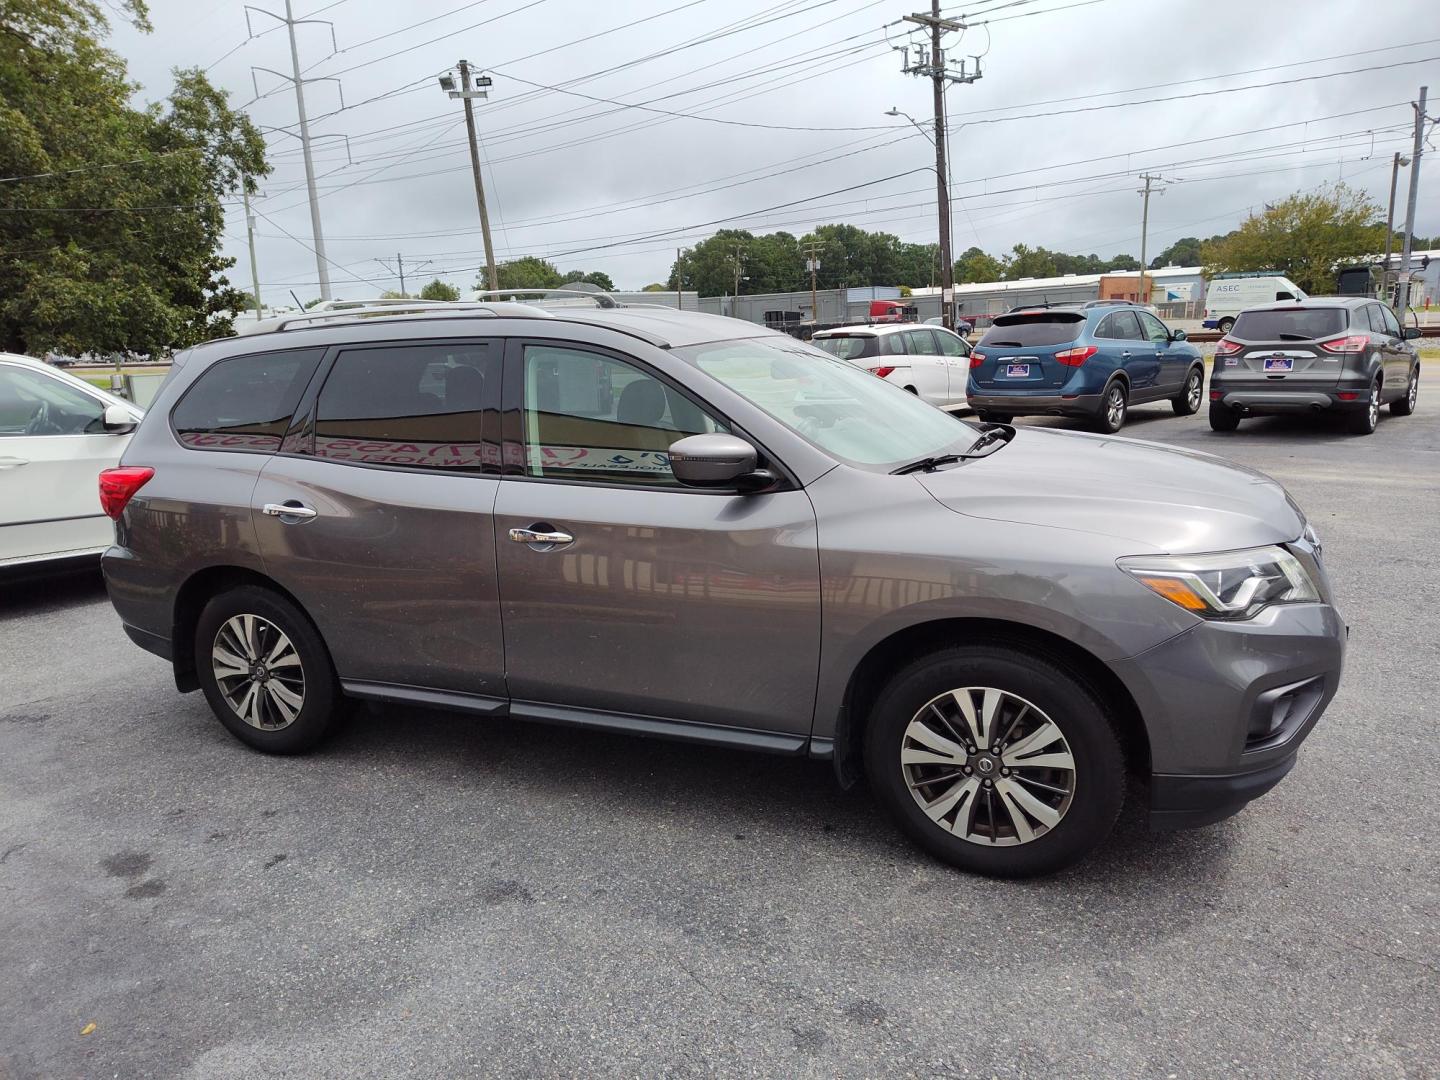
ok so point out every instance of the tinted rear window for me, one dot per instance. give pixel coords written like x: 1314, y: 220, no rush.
x: 244, y: 403
x: 847, y: 346
x: 1289, y: 324
x: 1041, y: 328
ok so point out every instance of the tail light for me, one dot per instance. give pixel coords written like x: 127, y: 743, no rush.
x: 881, y: 372
x: 976, y: 359
x: 1354, y: 343
x: 1225, y: 346
x: 117, y: 486
x: 1077, y: 356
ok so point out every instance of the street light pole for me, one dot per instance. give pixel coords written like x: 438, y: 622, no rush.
x: 466, y: 93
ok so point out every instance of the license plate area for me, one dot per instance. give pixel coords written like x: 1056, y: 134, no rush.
x: 1017, y: 371
x: 1278, y: 364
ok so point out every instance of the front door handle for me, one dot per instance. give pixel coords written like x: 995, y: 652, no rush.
x: 540, y: 535
x: 291, y: 511
x: 13, y: 462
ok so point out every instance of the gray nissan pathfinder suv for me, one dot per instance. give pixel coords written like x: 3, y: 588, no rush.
x: 686, y: 526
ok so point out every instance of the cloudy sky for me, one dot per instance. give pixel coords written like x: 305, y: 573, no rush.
x: 782, y: 123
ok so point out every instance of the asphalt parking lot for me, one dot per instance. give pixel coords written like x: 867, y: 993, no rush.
x: 431, y: 895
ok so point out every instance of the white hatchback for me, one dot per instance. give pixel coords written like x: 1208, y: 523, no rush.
x: 929, y: 361
x: 56, y: 433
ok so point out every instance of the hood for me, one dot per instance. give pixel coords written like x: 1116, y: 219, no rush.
x: 1158, y: 498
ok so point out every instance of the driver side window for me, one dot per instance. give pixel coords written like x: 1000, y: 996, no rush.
x: 33, y: 403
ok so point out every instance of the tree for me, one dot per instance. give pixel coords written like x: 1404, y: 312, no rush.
x: 1302, y: 237
x: 656, y: 286
x: 117, y: 248
x: 598, y: 278
x: 1183, y: 252
x: 1122, y: 262
x: 528, y: 272
x: 439, y: 290
x: 976, y: 265
x: 394, y: 294
x: 709, y: 267
x: 1025, y: 262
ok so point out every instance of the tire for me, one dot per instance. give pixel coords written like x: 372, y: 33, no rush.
x: 1404, y: 406
x: 1187, y: 402
x: 1078, y: 805
x: 1114, y: 408
x: 993, y: 417
x: 1223, y: 418
x: 1225, y: 325
x: 274, y: 726
x: 1363, y: 421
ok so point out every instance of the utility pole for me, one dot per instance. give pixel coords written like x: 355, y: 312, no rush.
x: 1145, y: 229
x: 812, y: 263
x: 679, y: 279
x: 1395, y: 166
x: 399, y: 270
x: 936, y: 68
x: 466, y: 92
x: 250, y: 239
x: 322, y: 266
x: 1402, y: 293
x: 739, y: 263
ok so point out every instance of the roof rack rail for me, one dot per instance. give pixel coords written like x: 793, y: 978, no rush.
x: 380, y: 307
x: 601, y: 298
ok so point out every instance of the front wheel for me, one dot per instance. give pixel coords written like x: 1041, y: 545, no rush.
x: 265, y: 671
x: 1114, y: 404
x: 1363, y: 421
x: 1187, y: 402
x: 1406, y: 405
x: 996, y: 760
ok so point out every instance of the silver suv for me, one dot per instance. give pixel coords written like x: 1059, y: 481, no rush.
x: 686, y: 526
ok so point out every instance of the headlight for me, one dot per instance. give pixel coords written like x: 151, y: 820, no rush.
x: 1230, y: 585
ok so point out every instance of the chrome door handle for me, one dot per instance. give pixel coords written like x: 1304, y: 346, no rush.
x: 13, y: 462
x: 290, y: 509
x: 533, y: 536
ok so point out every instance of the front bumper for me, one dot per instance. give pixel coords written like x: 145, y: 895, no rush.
x: 1226, y: 706
x: 1036, y: 404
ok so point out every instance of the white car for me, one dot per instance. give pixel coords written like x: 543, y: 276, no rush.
x: 56, y: 433
x: 929, y: 361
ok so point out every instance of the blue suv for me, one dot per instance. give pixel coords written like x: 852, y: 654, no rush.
x: 1091, y: 361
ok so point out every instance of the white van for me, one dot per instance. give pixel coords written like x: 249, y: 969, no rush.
x: 1229, y: 294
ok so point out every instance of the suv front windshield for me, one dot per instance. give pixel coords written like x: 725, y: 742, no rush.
x: 842, y: 409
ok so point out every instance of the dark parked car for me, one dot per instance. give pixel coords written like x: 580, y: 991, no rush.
x: 1091, y: 361
x: 1344, y: 354
x: 686, y: 526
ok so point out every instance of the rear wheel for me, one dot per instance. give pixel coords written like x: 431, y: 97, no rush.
x: 996, y: 760
x: 1363, y: 421
x: 1223, y: 418
x: 1114, y: 405
x: 265, y: 671
x: 1187, y: 402
x: 1406, y: 405
x: 1225, y: 325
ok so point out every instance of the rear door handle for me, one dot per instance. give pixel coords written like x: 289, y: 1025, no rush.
x: 293, y: 510
x: 13, y: 462
x: 540, y: 536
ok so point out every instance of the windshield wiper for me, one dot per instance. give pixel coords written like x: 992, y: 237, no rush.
x: 992, y: 437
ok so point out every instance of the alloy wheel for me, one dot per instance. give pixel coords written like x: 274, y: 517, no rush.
x: 1374, y: 407
x: 1115, y: 408
x: 988, y: 766
x: 1193, y: 391
x: 1414, y: 391
x: 259, y: 672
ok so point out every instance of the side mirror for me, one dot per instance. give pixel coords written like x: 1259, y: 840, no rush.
x: 1411, y: 333
x: 715, y: 461
x: 1179, y: 335
x: 119, y: 420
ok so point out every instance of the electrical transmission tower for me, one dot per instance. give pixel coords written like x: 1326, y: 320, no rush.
x: 321, y: 262
x: 932, y: 64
